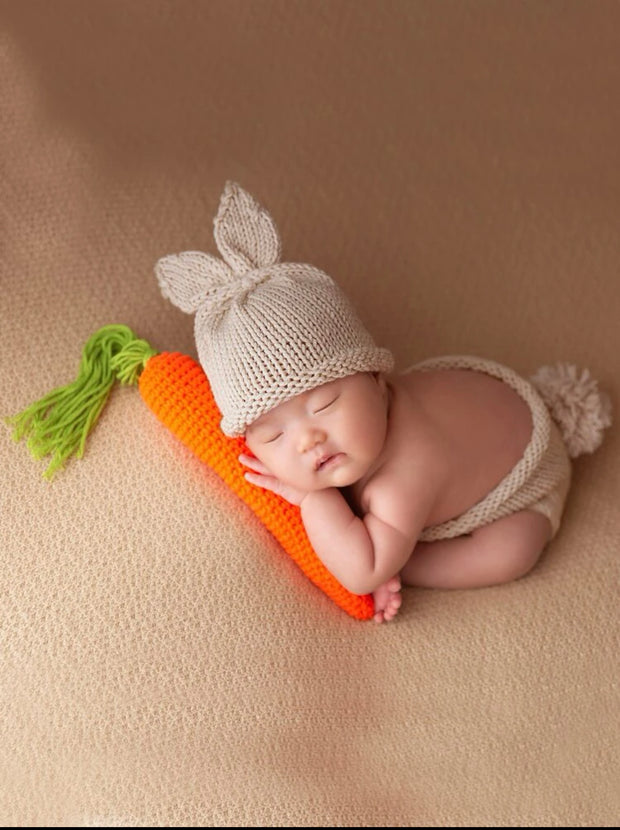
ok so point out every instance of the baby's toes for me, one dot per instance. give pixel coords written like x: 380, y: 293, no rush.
x: 393, y: 606
x: 393, y: 585
x: 396, y: 600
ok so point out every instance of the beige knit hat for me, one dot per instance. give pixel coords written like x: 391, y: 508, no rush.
x: 265, y: 330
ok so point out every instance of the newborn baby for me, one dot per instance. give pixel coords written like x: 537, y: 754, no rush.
x: 374, y: 460
x: 452, y: 474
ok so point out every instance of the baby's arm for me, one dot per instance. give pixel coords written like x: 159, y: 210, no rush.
x: 363, y: 554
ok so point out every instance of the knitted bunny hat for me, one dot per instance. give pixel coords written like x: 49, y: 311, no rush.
x: 265, y: 330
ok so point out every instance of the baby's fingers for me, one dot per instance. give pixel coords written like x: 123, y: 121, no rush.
x: 253, y: 464
x: 266, y: 482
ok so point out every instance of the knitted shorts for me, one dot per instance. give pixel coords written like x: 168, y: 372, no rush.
x: 552, y: 504
x: 541, y: 478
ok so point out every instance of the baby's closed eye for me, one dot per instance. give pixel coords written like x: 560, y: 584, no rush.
x: 322, y: 407
x: 273, y: 438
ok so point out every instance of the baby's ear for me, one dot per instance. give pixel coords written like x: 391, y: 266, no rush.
x: 186, y: 278
x: 245, y: 233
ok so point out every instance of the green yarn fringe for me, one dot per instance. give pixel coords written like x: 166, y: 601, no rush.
x: 59, y: 423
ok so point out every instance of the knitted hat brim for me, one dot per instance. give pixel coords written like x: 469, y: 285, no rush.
x: 357, y: 360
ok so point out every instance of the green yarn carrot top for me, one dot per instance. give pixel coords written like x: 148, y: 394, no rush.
x: 58, y: 424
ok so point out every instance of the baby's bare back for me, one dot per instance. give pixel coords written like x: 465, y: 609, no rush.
x: 481, y: 429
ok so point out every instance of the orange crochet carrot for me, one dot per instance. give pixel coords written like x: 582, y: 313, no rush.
x: 176, y: 389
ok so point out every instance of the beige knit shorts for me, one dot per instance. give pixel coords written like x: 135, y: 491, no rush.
x: 552, y: 504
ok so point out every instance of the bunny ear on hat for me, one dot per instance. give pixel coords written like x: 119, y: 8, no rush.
x: 247, y: 239
x: 244, y: 232
x: 186, y: 279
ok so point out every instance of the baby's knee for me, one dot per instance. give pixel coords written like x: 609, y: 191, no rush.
x: 514, y: 544
x: 521, y: 561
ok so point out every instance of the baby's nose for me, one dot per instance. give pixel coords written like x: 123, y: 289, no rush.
x: 310, y: 438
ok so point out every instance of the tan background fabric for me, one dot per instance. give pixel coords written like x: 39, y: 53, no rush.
x: 456, y: 167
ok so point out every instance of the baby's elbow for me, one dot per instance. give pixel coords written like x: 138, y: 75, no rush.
x: 357, y: 587
x: 366, y: 580
x: 362, y: 584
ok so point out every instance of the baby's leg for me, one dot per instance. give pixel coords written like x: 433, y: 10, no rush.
x: 498, y: 552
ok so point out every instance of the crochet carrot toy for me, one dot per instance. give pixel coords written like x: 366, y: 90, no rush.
x: 176, y: 389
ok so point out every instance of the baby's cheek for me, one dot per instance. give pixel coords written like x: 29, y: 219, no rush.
x: 261, y: 456
x: 277, y: 464
x: 296, y: 475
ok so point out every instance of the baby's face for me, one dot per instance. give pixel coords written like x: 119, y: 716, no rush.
x: 328, y: 437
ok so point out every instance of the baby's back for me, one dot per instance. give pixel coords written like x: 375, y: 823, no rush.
x: 484, y: 427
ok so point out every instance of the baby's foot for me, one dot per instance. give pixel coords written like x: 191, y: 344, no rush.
x: 387, y: 600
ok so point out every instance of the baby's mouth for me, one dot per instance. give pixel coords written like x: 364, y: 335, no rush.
x: 325, y: 461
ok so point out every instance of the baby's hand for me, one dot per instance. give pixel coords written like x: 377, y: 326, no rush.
x: 387, y: 600
x: 261, y: 476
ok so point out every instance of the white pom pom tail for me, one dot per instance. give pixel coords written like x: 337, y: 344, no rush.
x: 576, y: 404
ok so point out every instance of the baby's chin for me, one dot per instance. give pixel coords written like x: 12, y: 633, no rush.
x: 343, y: 478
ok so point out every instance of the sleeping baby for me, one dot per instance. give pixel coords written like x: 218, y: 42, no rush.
x: 451, y: 474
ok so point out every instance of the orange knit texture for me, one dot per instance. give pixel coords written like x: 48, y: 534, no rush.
x: 176, y: 388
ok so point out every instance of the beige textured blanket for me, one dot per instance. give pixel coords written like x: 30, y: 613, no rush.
x: 455, y: 167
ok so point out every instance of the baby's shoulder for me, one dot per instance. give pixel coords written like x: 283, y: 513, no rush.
x: 405, y: 486
x: 402, y: 495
